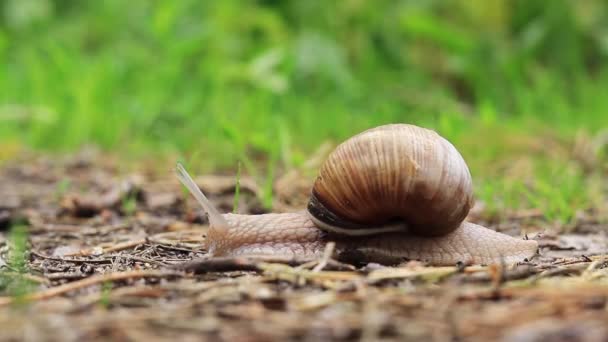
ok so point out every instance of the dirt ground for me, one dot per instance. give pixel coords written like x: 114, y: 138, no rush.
x: 102, y: 245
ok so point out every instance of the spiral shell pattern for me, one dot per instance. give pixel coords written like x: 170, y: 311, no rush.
x: 390, y: 174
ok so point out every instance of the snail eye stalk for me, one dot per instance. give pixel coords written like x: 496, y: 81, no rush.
x: 216, y: 220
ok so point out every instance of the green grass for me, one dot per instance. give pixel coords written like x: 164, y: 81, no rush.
x: 105, y: 299
x: 264, y: 83
x: 12, y: 279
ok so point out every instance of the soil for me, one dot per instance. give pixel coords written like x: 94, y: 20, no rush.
x: 105, y: 249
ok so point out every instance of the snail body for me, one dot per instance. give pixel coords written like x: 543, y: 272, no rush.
x: 390, y: 193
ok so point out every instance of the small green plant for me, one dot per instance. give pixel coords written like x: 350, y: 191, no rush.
x: 62, y: 187
x: 12, y: 279
x: 106, y: 291
x: 18, y: 243
x: 268, y: 186
x: 129, y: 204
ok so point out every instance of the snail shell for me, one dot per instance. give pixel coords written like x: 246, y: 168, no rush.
x: 392, y: 173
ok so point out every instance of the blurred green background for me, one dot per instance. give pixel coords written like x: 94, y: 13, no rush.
x: 519, y: 86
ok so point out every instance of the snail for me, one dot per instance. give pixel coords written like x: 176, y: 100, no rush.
x: 391, y: 193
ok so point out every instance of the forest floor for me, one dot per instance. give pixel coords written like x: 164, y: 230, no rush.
x: 88, y: 252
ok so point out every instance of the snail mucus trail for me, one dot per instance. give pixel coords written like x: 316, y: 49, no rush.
x: 393, y: 172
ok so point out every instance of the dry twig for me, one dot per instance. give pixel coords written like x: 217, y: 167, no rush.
x: 329, y: 251
x: 94, y: 280
x: 226, y: 264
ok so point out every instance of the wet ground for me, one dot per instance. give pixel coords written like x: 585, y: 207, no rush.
x: 93, y: 252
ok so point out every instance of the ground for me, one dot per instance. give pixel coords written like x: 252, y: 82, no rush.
x: 92, y: 252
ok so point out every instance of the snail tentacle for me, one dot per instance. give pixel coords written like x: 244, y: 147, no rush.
x: 215, y: 218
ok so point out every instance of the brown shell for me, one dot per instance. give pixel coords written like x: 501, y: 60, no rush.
x: 392, y: 173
